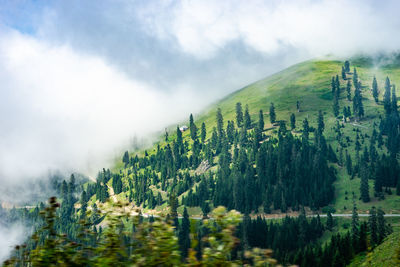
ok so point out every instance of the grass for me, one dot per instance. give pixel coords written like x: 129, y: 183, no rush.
x: 386, y: 254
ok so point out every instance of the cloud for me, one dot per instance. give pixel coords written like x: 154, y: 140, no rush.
x: 204, y: 28
x: 10, y: 237
x: 60, y: 109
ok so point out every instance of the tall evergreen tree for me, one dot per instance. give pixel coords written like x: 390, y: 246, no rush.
x: 329, y: 221
x: 381, y: 225
x: 343, y: 74
x: 247, y: 119
x: 193, y: 128
x: 348, y: 90
x: 272, y: 115
x: 355, y: 223
x: 220, y: 123
x: 335, y: 105
x: 261, y: 120
x: 372, y: 221
x: 358, y: 107
x: 347, y: 66
x: 321, y: 124
x: 375, y: 91
x: 386, y: 97
x: 292, y: 121
x: 203, y: 133
x: 184, y: 235
x: 125, y: 158
x: 239, y: 115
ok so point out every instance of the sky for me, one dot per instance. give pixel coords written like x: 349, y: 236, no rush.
x: 81, y: 80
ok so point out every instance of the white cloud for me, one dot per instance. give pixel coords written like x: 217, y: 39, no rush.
x: 203, y: 28
x: 63, y: 110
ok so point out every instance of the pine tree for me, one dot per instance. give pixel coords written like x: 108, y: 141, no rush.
x: 261, y: 121
x: 193, y: 128
x: 173, y: 213
x: 358, y: 107
x: 184, y: 235
x: 355, y: 223
x: 321, y: 124
x: 381, y: 225
x: 272, y: 115
x: 247, y: 119
x: 386, y: 97
x: 336, y: 105
x: 337, y: 85
x: 347, y: 66
x: 375, y: 91
x: 329, y: 221
x: 306, y: 129
x: 203, y: 133
x: 394, y: 102
x: 293, y: 121
x: 343, y: 74
x: 220, y: 123
x: 333, y: 86
x: 298, y: 106
x: 372, y: 221
x: 125, y: 158
x: 239, y: 115
x: 348, y: 90
x: 355, y: 77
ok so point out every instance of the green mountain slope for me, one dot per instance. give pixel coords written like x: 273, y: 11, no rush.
x: 310, y: 83
x: 386, y: 254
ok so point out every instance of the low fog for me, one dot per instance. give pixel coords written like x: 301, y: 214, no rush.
x: 79, y: 80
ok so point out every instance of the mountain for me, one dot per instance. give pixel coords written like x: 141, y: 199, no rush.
x: 318, y: 137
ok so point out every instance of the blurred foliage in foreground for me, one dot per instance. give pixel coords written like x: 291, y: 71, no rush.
x: 147, y: 243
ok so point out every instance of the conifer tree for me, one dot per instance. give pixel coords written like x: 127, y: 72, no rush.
x: 247, y: 119
x: 329, y: 221
x: 355, y: 223
x: 306, y: 129
x: 381, y: 225
x: 220, y: 123
x: 239, y: 115
x: 386, y: 97
x: 298, y: 105
x: 321, y: 124
x: 348, y: 90
x: 184, y: 235
x: 272, y: 115
x: 394, y: 102
x: 347, y: 66
x: 358, y: 107
x: 293, y: 121
x: 372, y: 221
x: 335, y: 105
x: 193, y: 128
x: 203, y: 133
x: 375, y: 91
x: 333, y: 86
x: 343, y: 74
x: 355, y: 77
x: 125, y: 158
x: 261, y: 120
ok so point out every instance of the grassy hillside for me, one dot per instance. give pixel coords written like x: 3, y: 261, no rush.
x: 309, y: 83
x: 386, y: 254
